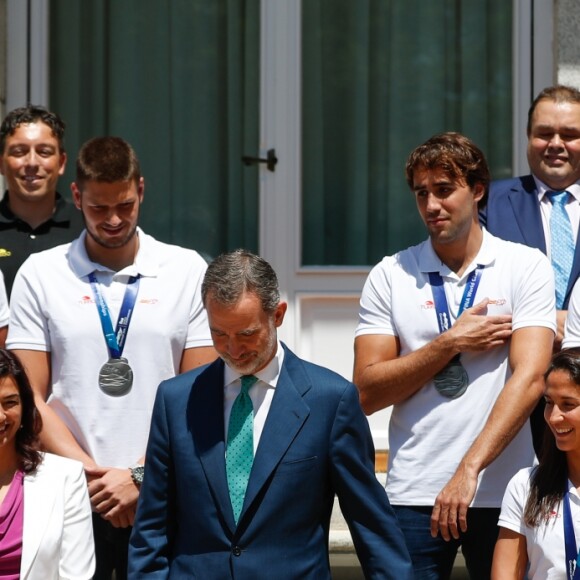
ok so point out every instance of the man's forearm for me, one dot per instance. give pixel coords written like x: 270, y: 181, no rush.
x: 530, y: 352
x: 393, y: 381
x: 510, y: 412
x: 384, y: 378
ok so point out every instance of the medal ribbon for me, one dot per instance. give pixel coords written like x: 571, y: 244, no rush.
x: 116, y: 338
x: 572, y: 554
x: 441, y: 305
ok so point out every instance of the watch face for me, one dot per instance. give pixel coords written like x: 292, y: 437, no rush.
x: 137, y: 474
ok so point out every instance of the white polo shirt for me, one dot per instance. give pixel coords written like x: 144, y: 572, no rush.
x: 428, y: 433
x: 4, y: 310
x: 544, y: 543
x: 572, y: 327
x: 54, y: 310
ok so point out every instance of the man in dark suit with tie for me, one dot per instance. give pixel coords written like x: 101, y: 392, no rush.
x: 210, y: 507
x: 520, y: 209
x: 526, y: 210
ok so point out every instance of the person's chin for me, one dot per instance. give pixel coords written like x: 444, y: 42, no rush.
x: 245, y: 367
x: 557, y: 169
x: 113, y: 241
x: 32, y: 192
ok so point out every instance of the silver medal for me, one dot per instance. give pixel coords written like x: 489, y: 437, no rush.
x: 452, y: 381
x: 116, y: 377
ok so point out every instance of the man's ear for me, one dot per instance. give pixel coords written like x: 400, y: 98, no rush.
x: 62, y: 162
x: 478, y: 191
x: 279, y: 313
x: 141, y: 189
x: 76, y: 194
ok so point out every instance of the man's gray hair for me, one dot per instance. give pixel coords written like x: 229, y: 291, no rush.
x: 232, y: 274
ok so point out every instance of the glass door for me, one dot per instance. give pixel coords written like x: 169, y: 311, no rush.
x: 180, y: 81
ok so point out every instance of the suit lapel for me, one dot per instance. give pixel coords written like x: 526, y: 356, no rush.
x: 38, y: 505
x: 286, y: 416
x: 206, y: 416
x: 526, y: 210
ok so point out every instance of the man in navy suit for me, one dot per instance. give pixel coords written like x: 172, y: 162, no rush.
x: 519, y: 209
x: 310, y: 442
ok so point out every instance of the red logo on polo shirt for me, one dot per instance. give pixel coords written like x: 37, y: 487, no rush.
x: 428, y: 305
x: 86, y: 300
x: 148, y: 301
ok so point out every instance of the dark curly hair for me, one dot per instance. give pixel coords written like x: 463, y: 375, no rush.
x: 456, y: 155
x: 27, y: 441
x: 32, y: 114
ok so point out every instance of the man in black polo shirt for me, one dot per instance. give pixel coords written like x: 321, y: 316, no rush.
x: 33, y: 216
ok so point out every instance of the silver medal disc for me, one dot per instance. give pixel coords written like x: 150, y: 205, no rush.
x: 452, y: 381
x: 116, y: 377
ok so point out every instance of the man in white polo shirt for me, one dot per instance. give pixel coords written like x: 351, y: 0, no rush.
x: 455, y: 333
x: 99, y: 323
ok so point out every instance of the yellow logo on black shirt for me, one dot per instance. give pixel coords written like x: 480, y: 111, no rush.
x: 5, y: 253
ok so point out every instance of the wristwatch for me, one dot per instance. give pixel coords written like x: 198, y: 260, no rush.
x: 137, y: 473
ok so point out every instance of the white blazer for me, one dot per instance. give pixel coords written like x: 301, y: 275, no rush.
x: 57, y: 540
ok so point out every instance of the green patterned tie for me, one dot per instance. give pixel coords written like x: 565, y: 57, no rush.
x: 240, y: 448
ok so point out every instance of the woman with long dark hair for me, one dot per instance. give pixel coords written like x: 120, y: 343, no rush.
x: 45, y: 513
x: 540, y: 514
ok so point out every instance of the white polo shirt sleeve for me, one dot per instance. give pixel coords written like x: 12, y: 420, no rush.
x: 514, y: 502
x: 4, y: 311
x: 198, y: 334
x: 533, y: 302
x: 572, y: 329
x: 28, y: 329
x: 375, y: 303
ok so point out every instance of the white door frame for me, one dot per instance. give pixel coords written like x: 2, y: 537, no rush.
x: 533, y: 67
x: 27, y: 53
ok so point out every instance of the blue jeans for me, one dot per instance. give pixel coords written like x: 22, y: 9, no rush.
x: 433, y: 558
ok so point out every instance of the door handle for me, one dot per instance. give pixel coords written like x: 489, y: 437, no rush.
x: 270, y: 160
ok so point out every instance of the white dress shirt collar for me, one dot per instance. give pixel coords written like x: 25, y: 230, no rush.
x: 542, y: 189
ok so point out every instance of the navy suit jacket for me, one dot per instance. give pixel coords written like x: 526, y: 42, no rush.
x: 316, y: 442
x: 513, y: 213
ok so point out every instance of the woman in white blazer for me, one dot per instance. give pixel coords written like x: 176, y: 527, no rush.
x: 45, y: 513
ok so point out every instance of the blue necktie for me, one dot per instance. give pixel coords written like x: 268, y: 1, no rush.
x: 240, y: 447
x: 561, y: 244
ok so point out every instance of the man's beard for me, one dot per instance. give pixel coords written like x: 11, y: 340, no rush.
x: 258, y: 362
x: 112, y: 245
